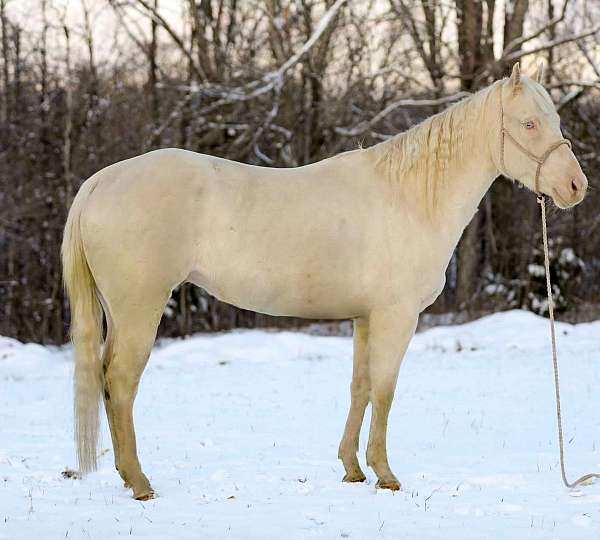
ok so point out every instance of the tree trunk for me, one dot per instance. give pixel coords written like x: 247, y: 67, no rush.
x: 469, y: 29
x: 6, y: 106
x: 68, y: 127
x: 153, y: 79
x: 469, y: 263
x: 469, y: 14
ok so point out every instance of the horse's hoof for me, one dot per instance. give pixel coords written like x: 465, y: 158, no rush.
x: 145, y: 495
x: 393, y: 485
x: 354, y: 477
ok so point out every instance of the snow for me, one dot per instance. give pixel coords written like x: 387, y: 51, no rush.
x: 238, y: 433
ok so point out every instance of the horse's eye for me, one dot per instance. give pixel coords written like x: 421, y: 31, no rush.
x: 530, y: 124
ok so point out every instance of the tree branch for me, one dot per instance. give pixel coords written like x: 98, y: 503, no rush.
x: 402, y: 103
x: 515, y: 43
x: 571, y: 96
x: 589, y: 58
x: 549, y: 44
x: 273, y: 79
x: 158, y: 18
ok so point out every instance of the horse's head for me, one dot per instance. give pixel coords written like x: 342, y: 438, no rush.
x: 533, y: 149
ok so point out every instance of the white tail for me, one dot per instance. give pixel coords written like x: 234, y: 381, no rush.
x: 86, y: 335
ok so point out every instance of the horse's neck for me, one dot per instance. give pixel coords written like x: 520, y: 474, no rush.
x: 469, y: 182
x: 460, y: 203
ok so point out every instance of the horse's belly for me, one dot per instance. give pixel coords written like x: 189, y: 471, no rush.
x: 284, y: 294
x: 282, y: 266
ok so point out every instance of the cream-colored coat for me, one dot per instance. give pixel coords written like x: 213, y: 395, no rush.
x: 365, y: 235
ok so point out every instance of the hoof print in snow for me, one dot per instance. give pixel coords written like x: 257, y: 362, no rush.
x: 71, y: 474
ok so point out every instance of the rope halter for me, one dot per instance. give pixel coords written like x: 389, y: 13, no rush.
x: 540, y: 160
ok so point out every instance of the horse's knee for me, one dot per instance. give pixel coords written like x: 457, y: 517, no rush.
x: 123, y: 367
x: 381, y: 395
x: 120, y: 385
x: 119, y: 391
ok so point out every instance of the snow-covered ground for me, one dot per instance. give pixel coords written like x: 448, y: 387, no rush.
x: 238, y: 433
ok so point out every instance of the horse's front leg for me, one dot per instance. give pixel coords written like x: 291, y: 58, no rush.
x: 390, y: 330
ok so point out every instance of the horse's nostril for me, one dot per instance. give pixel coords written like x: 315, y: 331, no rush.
x: 574, y: 186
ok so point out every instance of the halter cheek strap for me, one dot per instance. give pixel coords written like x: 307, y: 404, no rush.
x: 540, y: 160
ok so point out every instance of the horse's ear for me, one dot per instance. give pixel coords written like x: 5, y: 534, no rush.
x: 515, y: 77
x: 539, y: 73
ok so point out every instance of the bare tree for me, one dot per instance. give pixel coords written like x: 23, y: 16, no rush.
x: 279, y: 83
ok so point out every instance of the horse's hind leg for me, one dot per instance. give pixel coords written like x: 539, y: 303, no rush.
x: 133, y: 330
x: 106, y: 357
x: 359, y: 390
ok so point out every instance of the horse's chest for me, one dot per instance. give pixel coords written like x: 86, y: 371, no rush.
x: 429, y: 297
x: 418, y: 272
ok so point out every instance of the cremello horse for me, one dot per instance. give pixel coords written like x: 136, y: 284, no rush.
x: 366, y: 235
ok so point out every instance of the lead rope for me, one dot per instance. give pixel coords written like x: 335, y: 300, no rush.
x: 586, y: 478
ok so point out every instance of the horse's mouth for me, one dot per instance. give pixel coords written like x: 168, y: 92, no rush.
x: 560, y: 201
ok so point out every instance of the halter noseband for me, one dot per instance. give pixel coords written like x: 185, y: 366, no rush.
x: 540, y: 160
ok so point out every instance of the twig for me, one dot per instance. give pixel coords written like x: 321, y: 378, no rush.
x: 581, y: 84
x: 549, y: 45
x: 567, y: 98
x: 271, y: 81
x: 157, y: 132
x: 275, y: 78
x: 402, y: 103
x: 158, y: 18
x: 517, y: 42
x: 589, y: 58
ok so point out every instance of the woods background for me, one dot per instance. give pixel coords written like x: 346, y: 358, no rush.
x: 85, y: 83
